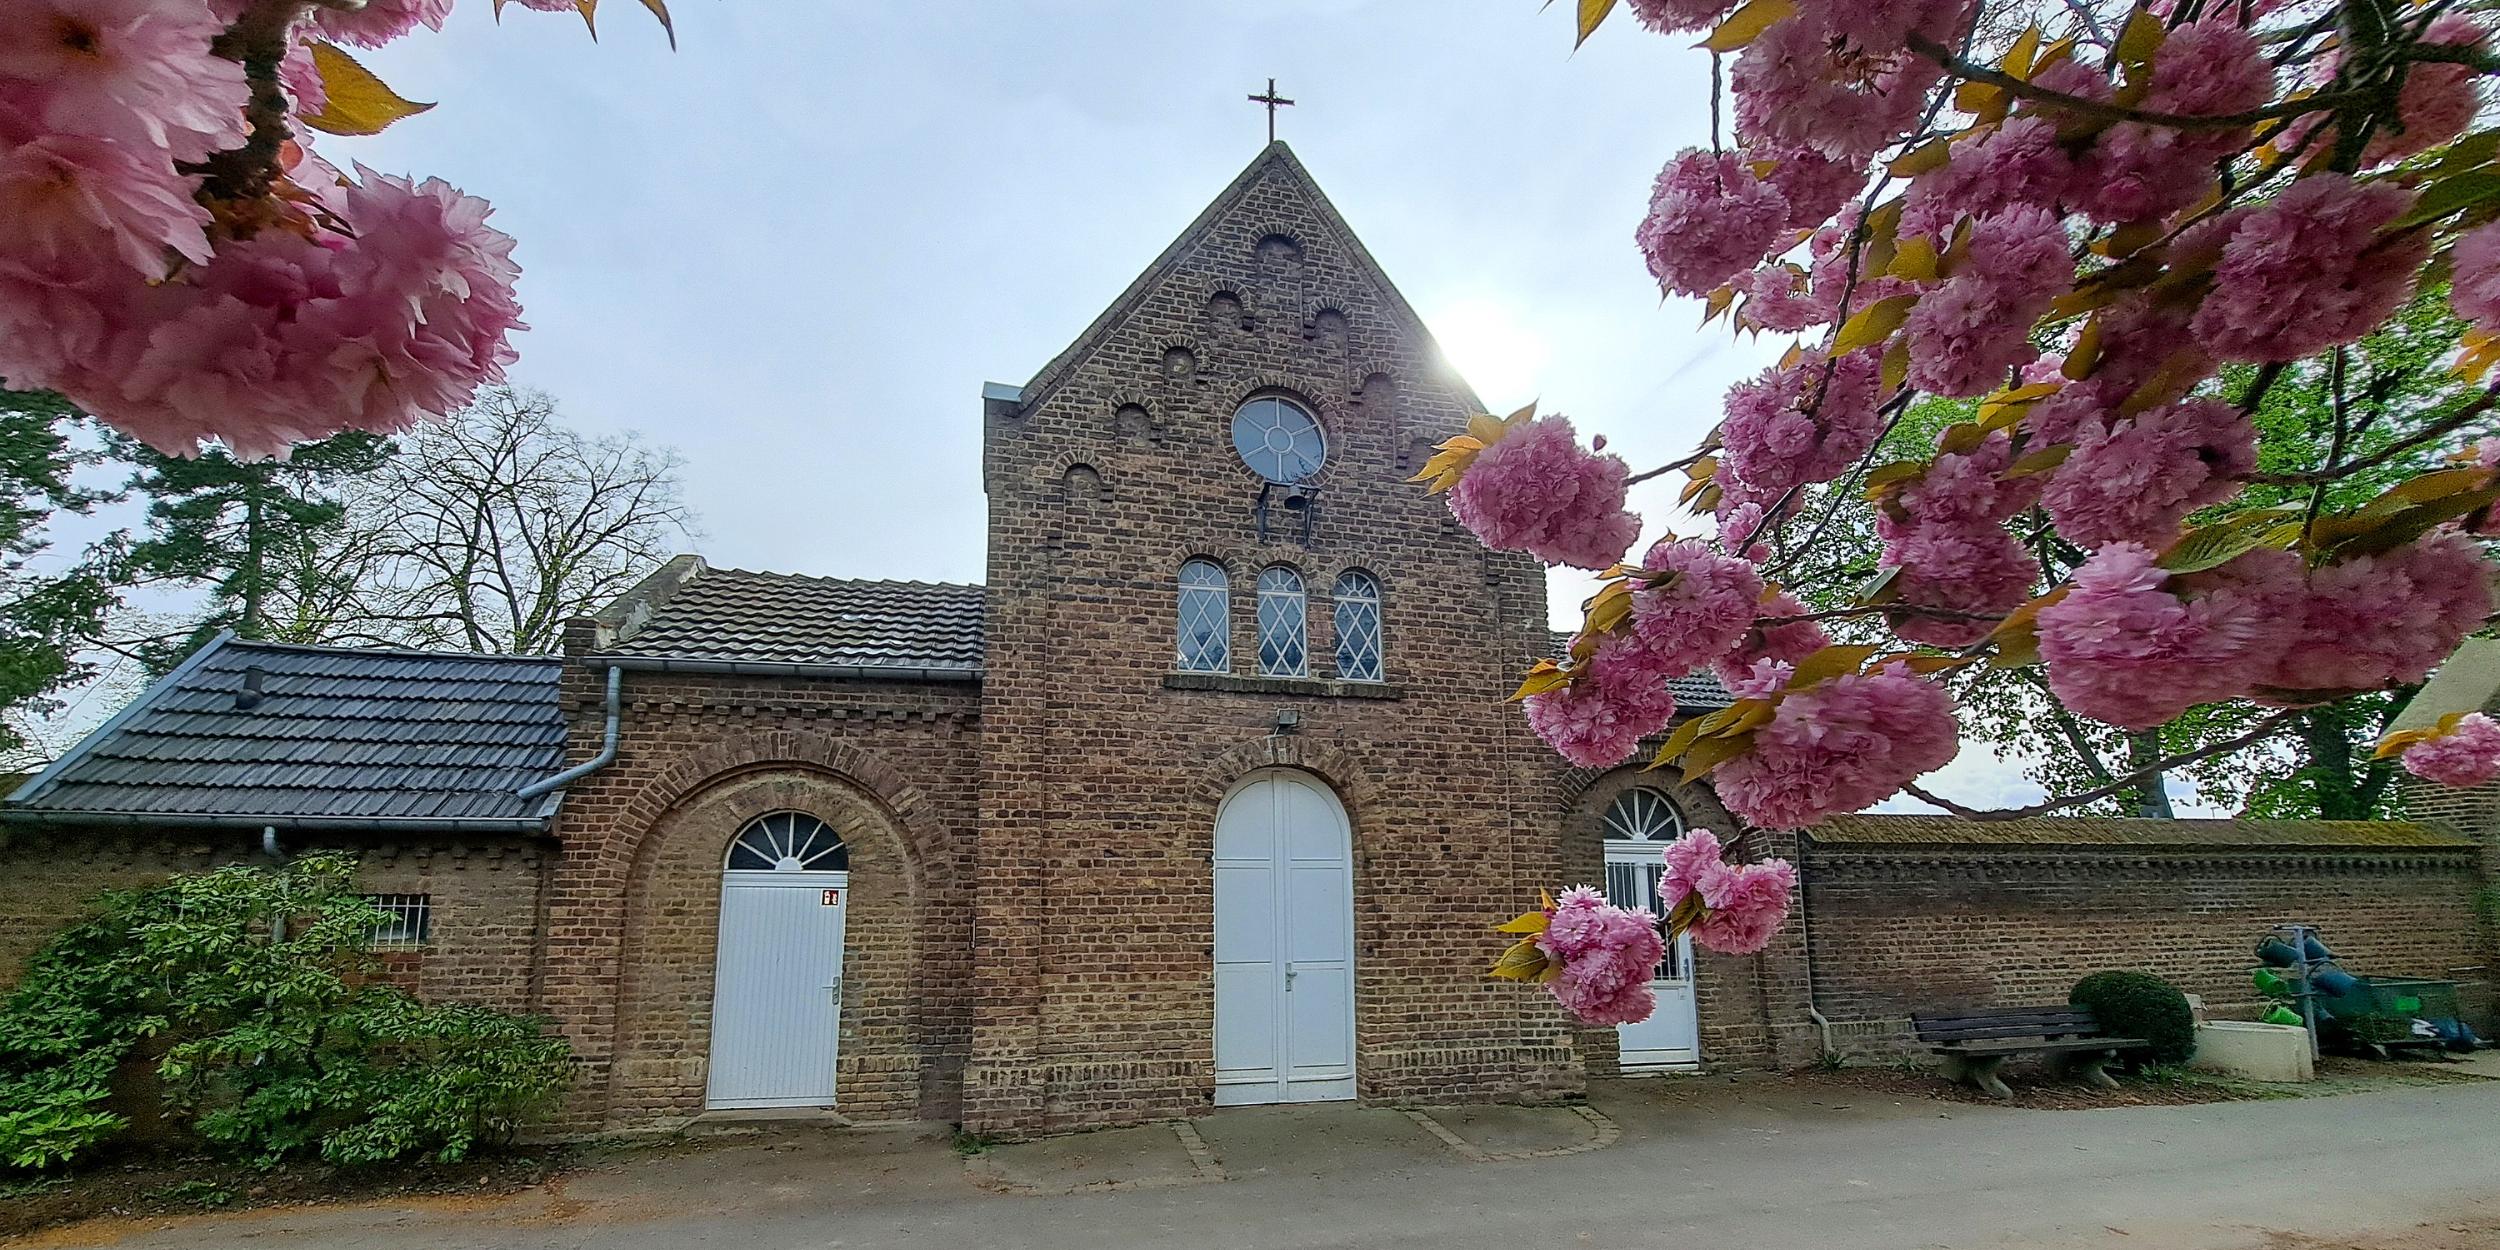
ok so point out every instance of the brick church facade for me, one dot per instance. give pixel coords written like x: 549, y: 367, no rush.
x: 1207, y: 796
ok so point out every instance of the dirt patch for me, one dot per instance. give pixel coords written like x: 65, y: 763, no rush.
x: 2036, y: 1090
x: 175, y: 1183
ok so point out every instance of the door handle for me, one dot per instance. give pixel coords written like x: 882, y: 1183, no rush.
x: 835, y: 988
x: 1290, y: 974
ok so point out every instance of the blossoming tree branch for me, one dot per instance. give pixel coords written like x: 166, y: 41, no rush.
x: 2107, y: 230
x: 177, y: 261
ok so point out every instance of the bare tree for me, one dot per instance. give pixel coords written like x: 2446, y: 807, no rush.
x: 489, y: 530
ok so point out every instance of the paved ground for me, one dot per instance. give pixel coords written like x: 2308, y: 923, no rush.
x: 1697, y: 1162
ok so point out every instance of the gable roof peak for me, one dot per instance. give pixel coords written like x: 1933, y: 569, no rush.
x: 1276, y: 155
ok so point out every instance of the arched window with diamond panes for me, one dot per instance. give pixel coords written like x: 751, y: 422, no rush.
x: 1284, y: 639
x: 1357, y: 618
x: 788, y: 842
x: 1206, y: 626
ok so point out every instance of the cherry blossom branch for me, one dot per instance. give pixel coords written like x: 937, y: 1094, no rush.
x: 257, y: 40
x: 1965, y: 68
x: 1669, y: 467
x: 2118, y: 784
x: 2445, y: 425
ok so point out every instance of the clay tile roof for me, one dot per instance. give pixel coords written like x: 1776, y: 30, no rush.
x: 1695, y: 690
x: 337, y: 735
x: 705, y: 613
x: 1912, y: 830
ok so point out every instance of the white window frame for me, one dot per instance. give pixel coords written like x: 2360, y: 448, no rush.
x: 788, y: 841
x: 1358, y: 591
x: 1211, y: 598
x: 1284, y: 613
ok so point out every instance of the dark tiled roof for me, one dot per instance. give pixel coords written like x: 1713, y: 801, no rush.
x: 784, y: 618
x: 1694, y: 690
x: 338, y: 733
x: 1916, y: 830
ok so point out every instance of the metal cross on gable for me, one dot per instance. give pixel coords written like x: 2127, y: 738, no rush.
x: 1273, y: 102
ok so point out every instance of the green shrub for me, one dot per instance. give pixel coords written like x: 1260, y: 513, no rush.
x: 258, y: 984
x: 2139, y: 1004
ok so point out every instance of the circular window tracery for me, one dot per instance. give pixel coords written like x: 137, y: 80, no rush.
x: 788, y: 842
x: 1279, y: 439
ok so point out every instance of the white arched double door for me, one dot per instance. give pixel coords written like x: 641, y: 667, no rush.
x: 777, y: 983
x: 1284, y: 943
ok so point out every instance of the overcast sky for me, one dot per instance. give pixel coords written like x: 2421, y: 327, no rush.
x: 796, y: 247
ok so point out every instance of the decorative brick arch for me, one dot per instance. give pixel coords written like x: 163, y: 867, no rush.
x: 671, y: 839
x: 697, y: 770
x: 1340, y: 770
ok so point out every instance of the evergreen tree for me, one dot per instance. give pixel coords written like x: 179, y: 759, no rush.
x: 49, y: 613
x: 250, y: 533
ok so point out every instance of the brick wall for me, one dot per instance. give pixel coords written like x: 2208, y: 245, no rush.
x: 634, y: 898
x: 1100, y: 779
x: 483, y: 893
x: 1897, y: 929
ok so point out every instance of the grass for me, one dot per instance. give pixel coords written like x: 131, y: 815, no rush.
x: 970, y: 1144
x: 1830, y: 1061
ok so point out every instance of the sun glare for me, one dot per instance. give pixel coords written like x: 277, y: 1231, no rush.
x: 1486, y: 343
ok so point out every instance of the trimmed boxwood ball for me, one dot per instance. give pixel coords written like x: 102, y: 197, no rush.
x: 2139, y: 1004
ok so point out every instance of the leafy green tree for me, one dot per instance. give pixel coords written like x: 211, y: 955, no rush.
x: 253, y: 533
x: 51, y: 610
x: 2358, y: 404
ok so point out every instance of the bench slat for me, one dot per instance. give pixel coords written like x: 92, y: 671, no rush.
x: 2018, y: 1046
x: 2067, y: 1029
x: 2005, y: 1022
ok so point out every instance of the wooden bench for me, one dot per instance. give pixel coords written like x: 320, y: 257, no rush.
x: 1975, y: 1043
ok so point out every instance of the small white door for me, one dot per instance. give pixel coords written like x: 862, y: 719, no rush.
x: 777, y: 986
x: 1638, y: 827
x: 1284, y: 944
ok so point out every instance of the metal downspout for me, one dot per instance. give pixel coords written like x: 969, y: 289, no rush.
x: 607, y: 746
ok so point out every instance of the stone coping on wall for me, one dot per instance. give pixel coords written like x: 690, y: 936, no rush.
x: 2046, y: 832
x: 1318, y: 686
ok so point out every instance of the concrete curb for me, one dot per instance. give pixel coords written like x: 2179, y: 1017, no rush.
x: 1603, y: 1132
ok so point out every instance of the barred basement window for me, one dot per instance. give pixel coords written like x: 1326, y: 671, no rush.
x: 411, y: 919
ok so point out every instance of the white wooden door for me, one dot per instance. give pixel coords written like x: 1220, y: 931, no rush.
x: 777, y: 994
x: 1671, y: 1036
x: 1284, y: 944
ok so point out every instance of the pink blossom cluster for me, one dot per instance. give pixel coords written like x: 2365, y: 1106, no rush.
x: 1776, y: 646
x: 1816, y: 186
x: 2133, y: 645
x: 1608, y: 956
x: 2137, y: 171
x: 2466, y: 755
x: 1703, y: 608
x: 2475, y: 287
x: 2140, y: 340
x: 1669, y: 17
x: 1966, y: 336
x: 2317, y: 248
x: 1537, y: 490
x: 119, y: 289
x: 1599, y: 719
x: 2126, y: 646
x: 2135, y: 478
x: 1838, y: 77
x: 1743, y: 905
x: 1840, y: 746
x: 1709, y: 219
x: 1945, y: 532
x: 1805, y: 423
x: 2379, y: 620
x: 2018, y: 163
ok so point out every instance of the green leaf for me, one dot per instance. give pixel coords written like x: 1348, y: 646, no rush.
x: 359, y: 103
x: 1747, y: 24
x: 1828, y: 663
x: 1592, y: 12
x: 1872, y: 324
x: 2218, y: 544
x: 2454, y: 193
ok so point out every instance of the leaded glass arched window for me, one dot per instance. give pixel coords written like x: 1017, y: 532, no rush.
x: 788, y: 842
x: 1284, y: 641
x: 1206, y: 627
x: 1357, y: 620
x: 1641, y: 814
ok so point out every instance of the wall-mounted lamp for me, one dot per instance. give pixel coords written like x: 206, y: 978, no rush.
x: 1288, y: 721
